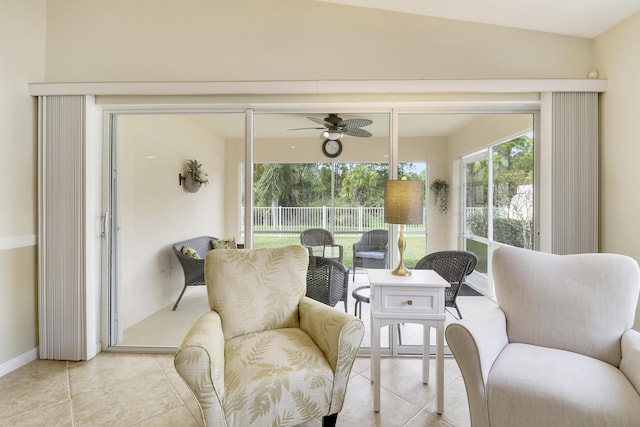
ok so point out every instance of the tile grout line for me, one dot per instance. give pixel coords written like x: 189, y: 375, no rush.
x: 71, y: 412
x: 184, y: 404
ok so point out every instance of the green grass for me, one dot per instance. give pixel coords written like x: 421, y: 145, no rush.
x: 416, y: 246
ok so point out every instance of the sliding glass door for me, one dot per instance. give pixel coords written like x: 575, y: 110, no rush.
x: 498, y: 194
x: 299, y: 183
x: 152, y: 209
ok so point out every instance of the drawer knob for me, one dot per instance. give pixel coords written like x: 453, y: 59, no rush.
x: 410, y: 302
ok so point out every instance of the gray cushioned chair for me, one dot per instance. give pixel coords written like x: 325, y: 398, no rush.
x: 371, y: 251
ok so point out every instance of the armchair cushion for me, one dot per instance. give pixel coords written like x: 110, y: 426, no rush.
x: 228, y: 243
x: 247, y: 305
x: 273, y: 375
x: 539, y: 386
x: 190, y: 252
x: 371, y: 254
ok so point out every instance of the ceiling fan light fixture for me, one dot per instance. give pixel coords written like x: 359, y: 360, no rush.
x: 332, y: 134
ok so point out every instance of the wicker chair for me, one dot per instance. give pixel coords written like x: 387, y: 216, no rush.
x: 327, y: 281
x: 193, y: 268
x: 371, y: 251
x: 454, y: 267
x: 317, y: 240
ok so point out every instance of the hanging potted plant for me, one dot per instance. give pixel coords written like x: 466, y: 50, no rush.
x: 440, y: 190
x: 194, y: 177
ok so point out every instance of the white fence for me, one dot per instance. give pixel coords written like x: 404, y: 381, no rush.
x: 347, y: 219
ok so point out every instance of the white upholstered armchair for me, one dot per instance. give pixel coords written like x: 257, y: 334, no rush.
x: 266, y: 354
x: 559, y: 350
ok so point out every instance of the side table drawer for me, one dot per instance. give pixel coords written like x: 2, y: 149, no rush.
x: 409, y: 301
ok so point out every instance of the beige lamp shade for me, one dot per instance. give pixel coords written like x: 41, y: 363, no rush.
x: 403, y: 201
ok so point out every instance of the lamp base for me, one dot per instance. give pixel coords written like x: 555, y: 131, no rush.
x: 401, y: 270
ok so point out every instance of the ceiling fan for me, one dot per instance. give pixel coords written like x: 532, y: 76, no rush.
x: 333, y: 128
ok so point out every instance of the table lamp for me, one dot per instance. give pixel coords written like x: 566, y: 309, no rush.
x: 403, y: 204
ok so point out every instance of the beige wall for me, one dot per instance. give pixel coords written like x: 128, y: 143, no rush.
x: 192, y: 40
x: 618, y: 58
x: 22, y: 55
x: 216, y: 40
x: 156, y: 212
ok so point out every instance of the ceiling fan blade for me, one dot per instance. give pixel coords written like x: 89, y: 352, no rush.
x: 305, y: 128
x: 355, y: 123
x: 356, y: 132
x: 320, y: 121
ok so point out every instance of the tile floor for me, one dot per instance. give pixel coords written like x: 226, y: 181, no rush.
x: 116, y: 389
x: 128, y: 389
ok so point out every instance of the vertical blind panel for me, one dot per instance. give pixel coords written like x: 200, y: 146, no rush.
x: 575, y: 172
x: 61, y: 250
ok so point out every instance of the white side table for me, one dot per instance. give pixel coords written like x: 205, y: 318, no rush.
x: 418, y: 298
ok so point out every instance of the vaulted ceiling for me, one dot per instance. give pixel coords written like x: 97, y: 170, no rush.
x: 579, y: 18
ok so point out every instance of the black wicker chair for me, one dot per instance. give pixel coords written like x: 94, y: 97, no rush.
x: 371, y: 251
x: 327, y: 281
x: 193, y: 268
x: 454, y: 267
x: 317, y: 240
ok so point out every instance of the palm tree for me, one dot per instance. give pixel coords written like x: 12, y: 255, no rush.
x: 284, y: 184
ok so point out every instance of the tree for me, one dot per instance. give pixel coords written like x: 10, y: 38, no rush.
x: 363, y: 185
x: 513, y: 192
x: 284, y: 184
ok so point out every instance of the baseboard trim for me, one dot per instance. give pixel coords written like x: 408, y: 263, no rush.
x: 18, y: 362
x: 15, y: 242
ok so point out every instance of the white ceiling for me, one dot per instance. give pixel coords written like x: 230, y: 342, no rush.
x: 280, y: 125
x: 580, y: 18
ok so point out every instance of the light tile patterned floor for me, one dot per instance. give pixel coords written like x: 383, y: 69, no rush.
x: 118, y: 389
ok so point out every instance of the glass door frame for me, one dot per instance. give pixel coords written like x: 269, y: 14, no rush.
x: 110, y: 312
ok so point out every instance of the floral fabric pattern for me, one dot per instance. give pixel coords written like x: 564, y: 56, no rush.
x: 290, y: 363
x: 258, y: 289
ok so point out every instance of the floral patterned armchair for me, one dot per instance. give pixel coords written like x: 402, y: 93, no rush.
x: 265, y: 354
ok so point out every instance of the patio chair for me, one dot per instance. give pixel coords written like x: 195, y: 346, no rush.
x: 454, y: 267
x: 193, y: 267
x: 371, y: 251
x: 317, y: 240
x: 265, y: 354
x: 327, y: 281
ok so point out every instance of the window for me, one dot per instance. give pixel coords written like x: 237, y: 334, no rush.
x: 499, y: 197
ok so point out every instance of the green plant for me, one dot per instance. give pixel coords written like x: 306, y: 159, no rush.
x: 194, y: 168
x: 440, y: 190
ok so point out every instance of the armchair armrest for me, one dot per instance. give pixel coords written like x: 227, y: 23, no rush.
x: 200, y: 363
x: 338, y: 335
x: 340, y: 250
x: 476, y: 344
x: 630, y: 363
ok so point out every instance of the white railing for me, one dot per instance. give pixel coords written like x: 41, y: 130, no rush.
x: 341, y: 219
